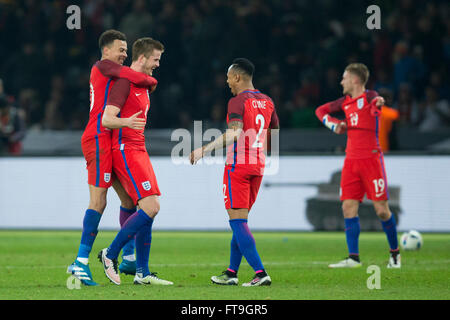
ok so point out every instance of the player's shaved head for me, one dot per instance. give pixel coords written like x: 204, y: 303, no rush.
x: 107, y: 38
x: 243, y: 66
x: 360, y: 70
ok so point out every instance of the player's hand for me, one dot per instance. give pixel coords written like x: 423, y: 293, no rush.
x: 152, y: 88
x: 379, y: 101
x: 196, y: 155
x: 341, y: 127
x: 136, y: 123
x: 375, y: 106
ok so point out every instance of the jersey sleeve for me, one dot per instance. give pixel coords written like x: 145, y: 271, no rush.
x: 370, y: 95
x: 108, y: 68
x: 329, y: 107
x: 235, y: 110
x: 119, y: 93
x: 323, y: 113
x: 274, y: 121
x: 113, y: 70
x: 374, y: 110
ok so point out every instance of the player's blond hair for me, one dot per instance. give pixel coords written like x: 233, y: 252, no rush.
x: 360, y: 70
x: 145, y: 46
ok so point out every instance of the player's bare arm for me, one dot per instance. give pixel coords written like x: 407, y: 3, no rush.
x: 230, y: 136
x: 111, y: 120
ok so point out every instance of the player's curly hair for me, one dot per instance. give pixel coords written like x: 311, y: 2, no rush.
x: 108, y: 37
x: 360, y: 70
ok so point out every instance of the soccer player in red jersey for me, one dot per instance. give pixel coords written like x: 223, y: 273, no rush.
x: 96, y: 147
x: 131, y: 163
x: 364, y: 171
x: 250, y: 115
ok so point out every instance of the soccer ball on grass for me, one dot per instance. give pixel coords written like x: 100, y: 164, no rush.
x: 411, y: 240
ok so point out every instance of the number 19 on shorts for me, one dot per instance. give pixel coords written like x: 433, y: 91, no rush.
x: 379, y: 187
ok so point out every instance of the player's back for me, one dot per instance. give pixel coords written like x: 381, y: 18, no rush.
x: 99, y: 88
x: 258, y: 110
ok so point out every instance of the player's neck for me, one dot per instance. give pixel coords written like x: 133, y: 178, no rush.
x: 248, y: 86
x: 357, y: 92
x: 136, y: 66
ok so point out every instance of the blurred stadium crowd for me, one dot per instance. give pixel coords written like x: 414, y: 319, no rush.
x: 299, y: 47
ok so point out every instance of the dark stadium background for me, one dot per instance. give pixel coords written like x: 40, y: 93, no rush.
x: 299, y: 47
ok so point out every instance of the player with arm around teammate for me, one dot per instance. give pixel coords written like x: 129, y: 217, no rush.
x: 250, y: 116
x: 132, y: 165
x: 364, y: 170
x: 96, y: 147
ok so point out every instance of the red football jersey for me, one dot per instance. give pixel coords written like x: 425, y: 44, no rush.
x: 257, y: 112
x: 130, y: 99
x: 362, y: 124
x: 103, y: 75
x: 99, y: 87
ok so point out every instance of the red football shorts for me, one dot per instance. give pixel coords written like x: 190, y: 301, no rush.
x: 98, y: 155
x: 135, y: 172
x: 241, y: 185
x: 364, y: 176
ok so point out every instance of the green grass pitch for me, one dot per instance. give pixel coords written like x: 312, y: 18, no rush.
x: 33, y: 266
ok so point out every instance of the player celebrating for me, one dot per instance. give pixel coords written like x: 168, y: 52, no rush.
x: 132, y: 165
x: 250, y: 114
x: 363, y: 171
x: 96, y: 146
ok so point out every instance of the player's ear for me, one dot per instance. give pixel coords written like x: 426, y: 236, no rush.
x: 105, y: 51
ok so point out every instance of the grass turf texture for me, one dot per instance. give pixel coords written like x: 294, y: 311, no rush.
x: 33, y: 266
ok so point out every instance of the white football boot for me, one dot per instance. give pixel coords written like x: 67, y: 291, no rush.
x: 259, y: 280
x: 225, y: 278
x: 109, y: 266
x: 150, y: 279
x: 395, y: 261
x: 346, y: 263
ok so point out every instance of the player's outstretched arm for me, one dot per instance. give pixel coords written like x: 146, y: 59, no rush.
x: 138, y: 78
x: 111, y: 69
x: 110, y: 119
x: 231, y: 134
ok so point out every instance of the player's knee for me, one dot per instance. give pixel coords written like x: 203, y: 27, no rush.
x: 349, y: 209
x: 382, y: 210
x: 98, y: 205
x: 150, y: 206
x: 382, y: 213
x: 155, y: 209
x: 151, y: 211
x: 97, y: 198
x: 127, y: 203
